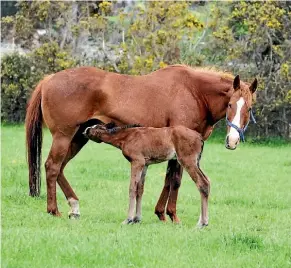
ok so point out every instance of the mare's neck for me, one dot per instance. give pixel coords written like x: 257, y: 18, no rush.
x: 216, y: 93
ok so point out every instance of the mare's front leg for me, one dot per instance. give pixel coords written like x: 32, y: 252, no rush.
x: 170, y: 191
x: 175, y: 184
x: 137, y: 167
x: 140, y: 189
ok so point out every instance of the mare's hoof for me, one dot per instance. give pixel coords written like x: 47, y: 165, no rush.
x: 128, y: 221
x: 176, y: 220
x: 137, y: 219
x: 55, y: 213
x: 74, y: 216
x: 161, y: 216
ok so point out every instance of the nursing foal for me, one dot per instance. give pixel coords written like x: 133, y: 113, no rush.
x: 143, y: 146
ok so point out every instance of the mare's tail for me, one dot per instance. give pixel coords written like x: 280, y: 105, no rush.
x: 33, y: 125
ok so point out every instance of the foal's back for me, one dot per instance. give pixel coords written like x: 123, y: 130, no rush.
x: 161, y: 144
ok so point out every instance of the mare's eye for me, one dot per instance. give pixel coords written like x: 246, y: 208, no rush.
x: 229, y: 105
x: 249, y: 109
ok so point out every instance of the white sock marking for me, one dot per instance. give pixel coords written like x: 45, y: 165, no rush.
x: 74, y: 204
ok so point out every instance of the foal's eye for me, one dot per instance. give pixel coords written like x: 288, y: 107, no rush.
x: 229, y: 105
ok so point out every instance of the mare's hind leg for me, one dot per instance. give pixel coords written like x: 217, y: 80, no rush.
x: 170, y: 192
x: 76, y: 145
x: 53, y: 166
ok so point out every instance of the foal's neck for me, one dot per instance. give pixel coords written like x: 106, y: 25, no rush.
x: 115, y: 138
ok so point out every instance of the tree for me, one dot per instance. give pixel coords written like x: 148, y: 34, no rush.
x: 254, y: 39
x: 152, y: 32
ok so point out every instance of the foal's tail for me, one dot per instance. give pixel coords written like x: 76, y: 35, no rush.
x: 33, y: 125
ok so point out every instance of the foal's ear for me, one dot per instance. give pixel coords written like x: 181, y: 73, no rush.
x: 253, y: 86
x: 236, y: 83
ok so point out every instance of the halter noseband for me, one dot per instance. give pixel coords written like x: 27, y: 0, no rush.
x: 241, y: 131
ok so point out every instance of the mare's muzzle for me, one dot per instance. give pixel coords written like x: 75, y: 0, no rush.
x: 240, y: 131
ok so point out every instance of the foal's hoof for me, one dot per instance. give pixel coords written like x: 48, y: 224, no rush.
x: 137, y: 219
x: 201, y: 225
x: 128, y: 221
x: 74, y: 216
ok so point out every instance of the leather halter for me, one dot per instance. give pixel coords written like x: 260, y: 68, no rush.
x: 241, y: 131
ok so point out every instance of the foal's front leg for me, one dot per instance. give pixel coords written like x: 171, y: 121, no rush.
x: 137, y: 167
x: 140, y: 189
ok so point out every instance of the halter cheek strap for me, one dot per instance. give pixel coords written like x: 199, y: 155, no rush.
x: 241, y: 131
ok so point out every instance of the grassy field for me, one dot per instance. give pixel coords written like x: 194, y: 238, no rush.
x: 250, y: 212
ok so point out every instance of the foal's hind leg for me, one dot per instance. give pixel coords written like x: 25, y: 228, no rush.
x: 202, y: 183
x: 76, y: 145
x: 53, y: 166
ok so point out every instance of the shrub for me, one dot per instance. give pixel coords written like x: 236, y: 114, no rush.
x: 17, y: 80
x: 21, y: 73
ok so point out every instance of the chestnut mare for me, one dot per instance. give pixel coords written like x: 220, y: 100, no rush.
x: 69, y: 101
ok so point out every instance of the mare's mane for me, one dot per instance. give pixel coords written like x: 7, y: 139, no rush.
x: 209, y: 69
x: 224, y: 75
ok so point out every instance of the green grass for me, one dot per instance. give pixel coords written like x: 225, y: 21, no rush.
x: 250, y: 212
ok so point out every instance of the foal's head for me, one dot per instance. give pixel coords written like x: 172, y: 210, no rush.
x: 239, y: 112
x: 94, y: 132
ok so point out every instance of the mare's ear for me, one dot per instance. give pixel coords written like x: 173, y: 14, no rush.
x: 253, y: 86
x: 236, y: 83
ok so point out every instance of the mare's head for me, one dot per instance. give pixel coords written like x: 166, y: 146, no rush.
x: 239, y: 112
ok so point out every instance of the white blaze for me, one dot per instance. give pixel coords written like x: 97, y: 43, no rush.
x: 233, y: 133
